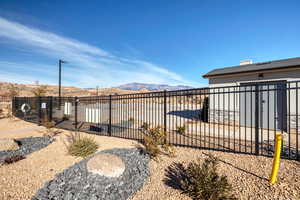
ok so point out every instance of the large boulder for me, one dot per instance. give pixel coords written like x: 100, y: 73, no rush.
x: 106, y: 164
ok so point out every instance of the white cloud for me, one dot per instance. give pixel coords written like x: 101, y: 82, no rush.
x: 88, y: 65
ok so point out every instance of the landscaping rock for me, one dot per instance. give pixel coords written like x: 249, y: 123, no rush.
x: 77, y: 182
x: 26, y: 146
x: 8, y: 144
x: 106, y: 164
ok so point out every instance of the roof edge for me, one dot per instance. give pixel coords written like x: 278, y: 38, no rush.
x: 258, y: 70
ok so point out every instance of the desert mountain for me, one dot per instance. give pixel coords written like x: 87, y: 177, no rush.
x: 152, y: 87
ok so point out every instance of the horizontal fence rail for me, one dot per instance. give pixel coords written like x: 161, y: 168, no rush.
x: 242, y: 119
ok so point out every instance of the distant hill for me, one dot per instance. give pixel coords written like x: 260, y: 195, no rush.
x: 152, y: 87
x: 52, y: 90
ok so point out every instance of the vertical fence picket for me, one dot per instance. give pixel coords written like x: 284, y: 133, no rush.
x: 76, y: 113
x: 256, y: 120
x: 110, y: 116
x: 165, y: 114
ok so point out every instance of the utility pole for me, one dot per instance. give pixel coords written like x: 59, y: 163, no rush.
x: 97, y: 87
x: 59, y: 81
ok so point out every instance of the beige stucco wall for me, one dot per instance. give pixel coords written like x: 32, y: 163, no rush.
x: 229, y: 80
x: 228, y: 98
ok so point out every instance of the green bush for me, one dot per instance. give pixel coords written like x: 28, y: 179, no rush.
x: 200, y: 181
x: 81, y: 146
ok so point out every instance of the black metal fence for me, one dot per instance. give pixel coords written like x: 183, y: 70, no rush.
x: 5, y: 99
x: 241, y: 119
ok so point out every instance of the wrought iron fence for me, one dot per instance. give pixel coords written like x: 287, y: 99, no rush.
x: 241, y: 119
x: 5, y: 99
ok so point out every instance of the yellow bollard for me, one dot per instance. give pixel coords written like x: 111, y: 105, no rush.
x: 276, y: 159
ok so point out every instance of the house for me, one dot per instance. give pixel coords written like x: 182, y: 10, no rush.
x: 270, y: 87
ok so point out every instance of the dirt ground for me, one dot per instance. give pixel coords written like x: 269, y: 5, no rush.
x: 8, y: 125
x: 247, y: 173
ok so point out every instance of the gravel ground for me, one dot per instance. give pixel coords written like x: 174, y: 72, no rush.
x: 13, y: 124
x: 27, y: 146
x: 21, y: 180
x: 248, y: 175
x: 77, y: 183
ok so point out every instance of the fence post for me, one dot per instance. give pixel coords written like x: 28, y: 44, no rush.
x: 50, y: 101
x: 109, y: 125
x: 13, y: 106
x: 256, y: 120
x: 165, y: 114
x: 76, y: 112
x: 39, y: 110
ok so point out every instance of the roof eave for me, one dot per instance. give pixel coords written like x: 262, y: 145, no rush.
x: 250, y: 71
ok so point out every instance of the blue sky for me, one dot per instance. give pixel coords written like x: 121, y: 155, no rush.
x: 108, y: 43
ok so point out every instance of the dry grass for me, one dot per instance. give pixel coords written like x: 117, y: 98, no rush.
x: 81, y: 146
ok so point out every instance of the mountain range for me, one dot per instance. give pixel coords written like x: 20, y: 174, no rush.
x: 151, y: 87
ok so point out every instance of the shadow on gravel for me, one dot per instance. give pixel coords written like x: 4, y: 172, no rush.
x: 243, y: 170
x: 188, y: 114
x: 175, y: 173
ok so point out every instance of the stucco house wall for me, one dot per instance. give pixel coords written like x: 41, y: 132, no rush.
x: 226, y: 93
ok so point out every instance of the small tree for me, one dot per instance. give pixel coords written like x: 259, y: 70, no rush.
x: 40, y: 91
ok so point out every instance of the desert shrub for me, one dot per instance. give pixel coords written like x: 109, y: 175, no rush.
x: 155, y: 142
x: 13, y: 158
x: 201, y: 181
x: 40, y: 91
x: 9, y: 113
x: 81, y: 146
x: 49, y: 125
x: 145, y: 126
x: 181, y: 129
x: 65, y: 117
x: 131, y: 119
